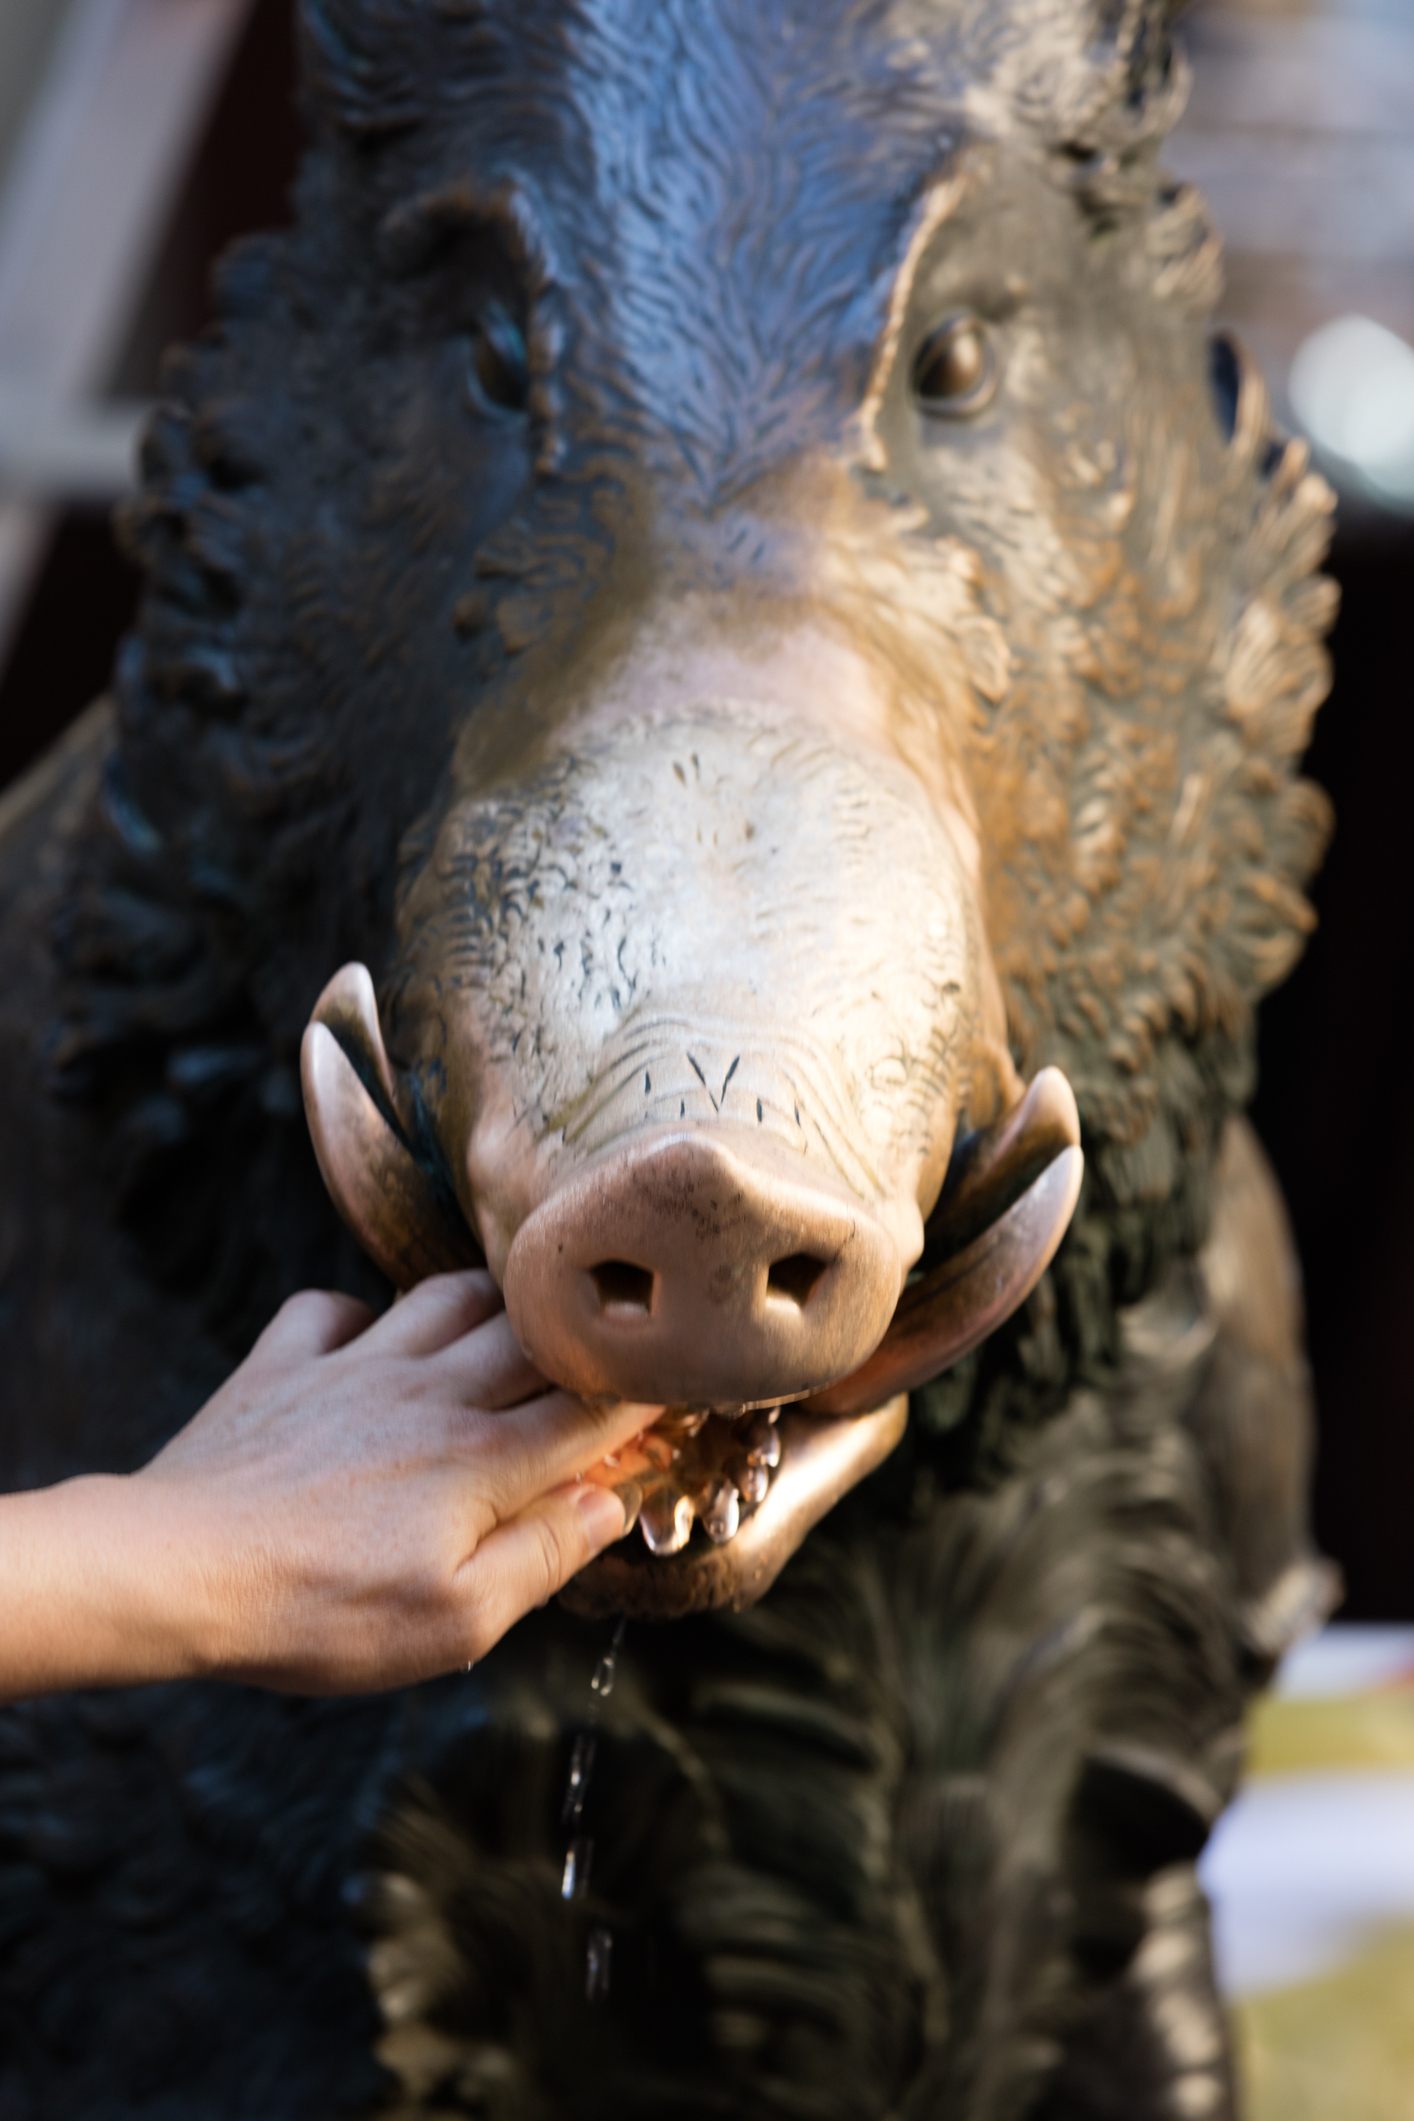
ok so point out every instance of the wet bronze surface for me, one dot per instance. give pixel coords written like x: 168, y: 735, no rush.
x: 717, y: 559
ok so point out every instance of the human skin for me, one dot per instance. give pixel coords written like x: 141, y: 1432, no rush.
x: 364, y: 1504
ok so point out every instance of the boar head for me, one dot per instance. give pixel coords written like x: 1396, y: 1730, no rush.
x: 751, y: 598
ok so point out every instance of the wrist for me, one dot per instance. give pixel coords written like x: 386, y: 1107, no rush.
x: 99, y: 1590
x: 158, y: 1563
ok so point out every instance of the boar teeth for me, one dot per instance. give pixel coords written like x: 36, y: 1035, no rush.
x: 721, y: 1520
x: 667, y: 1521
x: 753, y: 1481
x: 763, y: 1442
x: 696, y: 1467
x: 682, y: 1427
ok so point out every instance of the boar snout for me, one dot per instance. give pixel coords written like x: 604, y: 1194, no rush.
x: 710, y: 1269
x: 696, y: 1028
x: 705, y: 1263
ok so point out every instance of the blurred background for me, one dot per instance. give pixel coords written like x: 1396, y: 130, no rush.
x: 138, y: 136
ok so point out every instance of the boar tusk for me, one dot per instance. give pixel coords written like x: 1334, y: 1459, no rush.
x: 396, y: 1206
x: 349, y: 1008
x: 998, y: 1227
x: 993, y: 1167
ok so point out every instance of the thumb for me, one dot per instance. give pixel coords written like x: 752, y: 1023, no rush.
x: 523, y: 1563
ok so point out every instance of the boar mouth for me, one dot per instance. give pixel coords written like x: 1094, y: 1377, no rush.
x: 727, y: 1501
x: 728, y: 1495
x: 723, y: 1495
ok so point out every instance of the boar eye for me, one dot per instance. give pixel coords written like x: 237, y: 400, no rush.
x: 956, y: 372
x: 499, y: 375
x: 1225, y: 383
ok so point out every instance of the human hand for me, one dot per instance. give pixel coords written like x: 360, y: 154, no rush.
x: 370, y: 1504
x: 361, y: 1505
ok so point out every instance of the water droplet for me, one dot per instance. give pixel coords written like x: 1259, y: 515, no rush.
x: 754, y: 1481
x: 764, y: 1445
x: 722, y: 1519
x: 598, y: 1965
x: 667, y: 1521
x: 581, y: 1770
x: 607, y: 1669
x: 579, y: 1861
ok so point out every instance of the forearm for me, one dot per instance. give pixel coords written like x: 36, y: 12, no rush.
x: 94, y: 1591
x: 361, y: 1505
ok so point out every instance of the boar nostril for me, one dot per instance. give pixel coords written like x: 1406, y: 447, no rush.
x: 620, y: 1286
x: 796, y: 1278
x: 701, y: 1268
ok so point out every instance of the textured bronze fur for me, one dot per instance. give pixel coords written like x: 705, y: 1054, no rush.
x: 914, y: 1837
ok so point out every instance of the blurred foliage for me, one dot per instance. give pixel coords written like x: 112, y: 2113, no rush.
x: 1346, y: 1732
x: 1339, y: 2049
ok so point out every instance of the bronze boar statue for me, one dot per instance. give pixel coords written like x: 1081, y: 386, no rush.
x: 720, y: 559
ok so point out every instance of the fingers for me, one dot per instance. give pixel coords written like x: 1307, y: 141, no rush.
x: 529, y: 1451
x: 527, y: 1561
x: 488, y: 1369
x: 437, y: 1313
x: 316, y: 1322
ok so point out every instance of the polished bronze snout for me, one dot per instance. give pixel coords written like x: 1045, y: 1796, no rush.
x: 709, y: 1268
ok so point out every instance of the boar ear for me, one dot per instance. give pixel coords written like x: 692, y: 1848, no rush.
x: 1010, y: 1197
x: 397, y: 1204
x: 1130, y: 25
x: 1126, y: 96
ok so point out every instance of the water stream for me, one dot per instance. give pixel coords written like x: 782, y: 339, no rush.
x: 579, y: 1844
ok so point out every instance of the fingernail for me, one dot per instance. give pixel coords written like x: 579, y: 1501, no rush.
x: 605, y: 1514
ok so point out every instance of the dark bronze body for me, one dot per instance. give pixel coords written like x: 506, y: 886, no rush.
x: 622, y: 347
